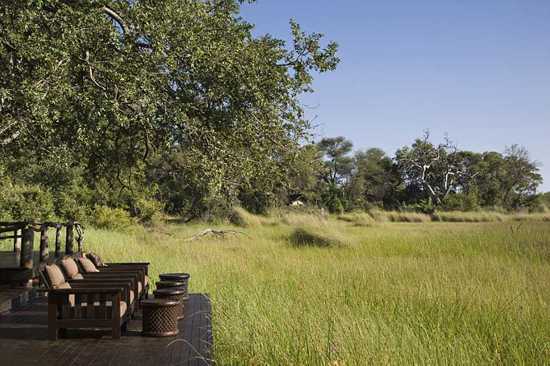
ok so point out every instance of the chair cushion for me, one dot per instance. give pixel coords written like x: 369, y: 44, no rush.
x: 123, y: 305
x: 96, y: 260
x: 55, y: 275
x: 88, y: 265
x: 123, y: 308
x: 146, y: 280
x: 78, y: 276
x: 140, y: 287
x: 66, y: 285
x: 70, y: 266
x: 132, y: 296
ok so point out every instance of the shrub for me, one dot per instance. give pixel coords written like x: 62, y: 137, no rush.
x: 148, y: 211
x: 362, y: 219
x: 111, y: 218
x: 313, y: 237
x: 378, y: 215
x: 241, y: 217
x: 475, y: 216
x: 25, y: 202
x: 532, y: 217
x: 399, y: 216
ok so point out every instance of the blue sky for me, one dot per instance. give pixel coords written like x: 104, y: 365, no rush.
x: 478, y: 70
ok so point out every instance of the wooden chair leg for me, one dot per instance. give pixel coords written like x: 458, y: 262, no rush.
x: 52, y: 322
x: 52, y: 332
x: 124, y: 328
x: 116, y: 332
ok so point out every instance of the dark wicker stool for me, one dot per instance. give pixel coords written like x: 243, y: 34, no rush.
x: 160, y: 317
x: 173, y: 295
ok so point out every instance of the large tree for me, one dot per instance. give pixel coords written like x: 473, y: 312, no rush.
x: 379, y: 175
x: 433, y: 171
x: 110, y: 85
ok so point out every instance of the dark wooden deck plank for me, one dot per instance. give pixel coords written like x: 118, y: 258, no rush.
x: 23, y: 341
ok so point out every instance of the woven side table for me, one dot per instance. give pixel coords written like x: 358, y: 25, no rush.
x: 160, y: 318
x: 173, y: 295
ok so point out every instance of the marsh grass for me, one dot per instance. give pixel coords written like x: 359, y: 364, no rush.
x: 361, y: 219
x: 403, y: 293
x: 316, y: 237
x: 474, y: 216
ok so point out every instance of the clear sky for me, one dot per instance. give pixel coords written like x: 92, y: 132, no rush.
x: 478, y: 70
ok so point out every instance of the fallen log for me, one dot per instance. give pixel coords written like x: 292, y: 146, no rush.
x: 213, y: 232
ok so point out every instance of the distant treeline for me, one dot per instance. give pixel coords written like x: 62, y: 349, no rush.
x: 423, y: 177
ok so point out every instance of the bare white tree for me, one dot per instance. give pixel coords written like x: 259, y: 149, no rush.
x: 439, y: 169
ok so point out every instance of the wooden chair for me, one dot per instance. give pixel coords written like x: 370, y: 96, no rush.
x: 53, y: 278
x: 86, y: 306
x: 88, y: 266
x: 72, y: 271
x: 85, y: 303
x: 100, y: 265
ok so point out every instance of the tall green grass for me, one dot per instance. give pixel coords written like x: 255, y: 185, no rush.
x: 415, y: 293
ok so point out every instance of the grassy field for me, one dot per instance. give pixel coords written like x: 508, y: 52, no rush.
x: 391, y: 293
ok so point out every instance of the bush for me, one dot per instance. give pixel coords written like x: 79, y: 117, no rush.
x: 111, y: 218
x: 25, y: 202
x: 313, y: 237
x: 241, y: 217
x: 532, y: 217
x: 399, y: 216
x: 476, y: 216
x: 362, y: 219
x: 378, y: 215
x: 148, y: 211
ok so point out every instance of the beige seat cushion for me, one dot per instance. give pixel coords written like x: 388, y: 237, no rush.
x: 66, y: 285
x: 123, y: 308
x: 78, y: 276
x: 140, y: 287
x: 132, y: 296
x: 88, y: 265
x: 70, y: 266
x: 146, y: 280
x: 55, y: 275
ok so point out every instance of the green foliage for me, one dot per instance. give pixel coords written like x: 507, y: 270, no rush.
x: 24, y: 202
x: 111, y: 218
x: 148, y: 211
x: 121, y: 104
x: 114, y: 86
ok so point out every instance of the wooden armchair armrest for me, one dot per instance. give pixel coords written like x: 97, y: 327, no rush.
x: 124, y: 287
x: 94, y: 290
x: 132, y: 277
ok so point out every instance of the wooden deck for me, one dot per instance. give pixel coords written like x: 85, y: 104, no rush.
x: 24, y: 341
